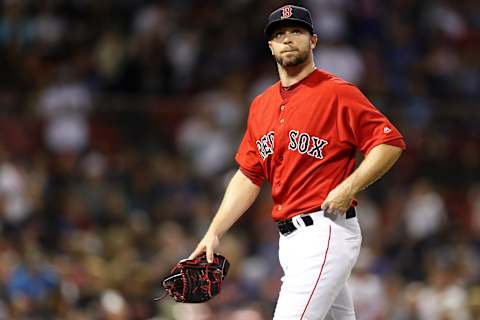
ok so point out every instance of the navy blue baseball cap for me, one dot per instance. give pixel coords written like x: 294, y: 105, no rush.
x: 288, y: 13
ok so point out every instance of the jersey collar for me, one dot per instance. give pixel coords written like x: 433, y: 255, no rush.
x: 285, y: 91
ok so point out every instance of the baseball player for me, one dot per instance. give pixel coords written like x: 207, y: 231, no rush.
x: 302, y: 136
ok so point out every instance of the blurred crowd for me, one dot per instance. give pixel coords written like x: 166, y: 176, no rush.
x: 119, y: 121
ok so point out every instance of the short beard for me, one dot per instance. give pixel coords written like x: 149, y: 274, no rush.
x: 292, y: 62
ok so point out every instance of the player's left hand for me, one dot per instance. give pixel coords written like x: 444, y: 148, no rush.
x: 338, y: 201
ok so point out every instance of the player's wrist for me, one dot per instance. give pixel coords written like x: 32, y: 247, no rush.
x: 213, y: 234
x: 346, y: 189
x: 351, y: 186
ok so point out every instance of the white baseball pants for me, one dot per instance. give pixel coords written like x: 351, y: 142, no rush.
x: 317, y: 261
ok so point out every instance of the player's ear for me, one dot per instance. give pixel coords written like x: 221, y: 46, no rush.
x: 270, y: 47
x: 313, y: 41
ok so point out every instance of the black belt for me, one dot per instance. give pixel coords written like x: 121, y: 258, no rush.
x: 286, y: 226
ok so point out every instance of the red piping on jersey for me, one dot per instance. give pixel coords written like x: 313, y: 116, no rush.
x: 321, y: 269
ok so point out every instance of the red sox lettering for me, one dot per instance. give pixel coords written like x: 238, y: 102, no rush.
x: 303, y: 143
x: 265, y: 145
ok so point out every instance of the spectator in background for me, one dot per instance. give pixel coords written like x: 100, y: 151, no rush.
x: 341, y: 59
x: 16, y: 192
x: 333, y: 54
x: 442, y: 298
x: 424, y: 213
x: 183, y: 51
x: 32, y: 284
x: 330, y: 19
x: 203, y: 142
x: 64, y: 105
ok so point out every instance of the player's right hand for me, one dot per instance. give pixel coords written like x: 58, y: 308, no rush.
x: 208, y: 244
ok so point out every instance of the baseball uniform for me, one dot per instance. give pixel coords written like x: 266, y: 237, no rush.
x: 303, y: 140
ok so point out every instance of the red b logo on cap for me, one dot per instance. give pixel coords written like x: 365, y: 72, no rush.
x: 286, y: 12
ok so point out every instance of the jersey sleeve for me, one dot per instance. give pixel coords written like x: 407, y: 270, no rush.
x: 361, y: 124
x: 247, y: 157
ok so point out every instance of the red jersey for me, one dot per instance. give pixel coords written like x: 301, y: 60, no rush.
x: 303, y: 140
